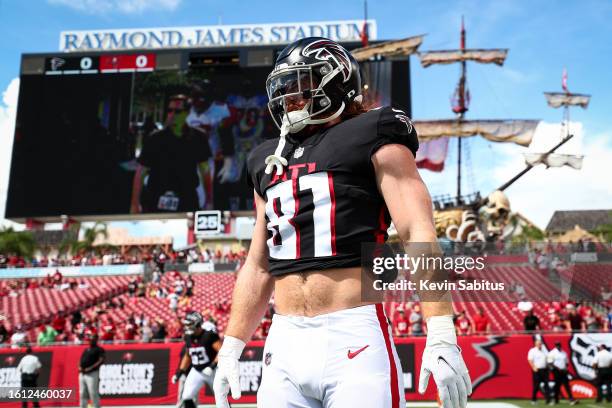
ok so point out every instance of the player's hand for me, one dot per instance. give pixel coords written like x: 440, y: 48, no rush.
x: 226, y: 171
x: 227, y: 376
x: 442, y: 359
x: 177, y: 375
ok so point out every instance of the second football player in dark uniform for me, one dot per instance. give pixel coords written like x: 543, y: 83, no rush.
x: 202, y: 347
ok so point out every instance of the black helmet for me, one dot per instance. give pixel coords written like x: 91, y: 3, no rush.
x: 320, y: 72
x: 192, y: 321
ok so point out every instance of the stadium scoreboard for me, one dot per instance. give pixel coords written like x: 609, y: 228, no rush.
x: 207, y: 222
x: 105, y: 64
x: 84, y: 119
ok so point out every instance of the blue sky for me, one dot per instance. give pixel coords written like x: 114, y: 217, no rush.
x: 543, y: 38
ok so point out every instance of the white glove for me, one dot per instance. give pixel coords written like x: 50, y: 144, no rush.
x: 442, y: 358
x: 226, y: 171
x: 228, y: 371
x: 174, y: 379
x: 208, y: 371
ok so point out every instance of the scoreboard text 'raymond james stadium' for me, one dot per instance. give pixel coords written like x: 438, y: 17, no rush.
x: 212, y: 36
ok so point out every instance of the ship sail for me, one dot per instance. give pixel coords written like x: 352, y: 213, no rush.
x: 559, y: 99
x: 397, y: 48
x: 504, y: 131
x: 488, y: 56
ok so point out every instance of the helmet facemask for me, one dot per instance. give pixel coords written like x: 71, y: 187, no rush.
x: 297, y: 96
x: 192, y: 322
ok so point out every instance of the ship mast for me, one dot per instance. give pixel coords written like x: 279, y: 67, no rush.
x: 461, y: 97
x: 461, y: 106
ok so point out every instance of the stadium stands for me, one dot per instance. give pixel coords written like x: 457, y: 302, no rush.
x: 33, y: 306
x: 122, y: 299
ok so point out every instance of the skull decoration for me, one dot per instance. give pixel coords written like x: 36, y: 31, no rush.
x: 584, y: 347
x: 497, y: 212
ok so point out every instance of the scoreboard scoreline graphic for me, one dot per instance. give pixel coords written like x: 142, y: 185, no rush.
x: 104, y: 64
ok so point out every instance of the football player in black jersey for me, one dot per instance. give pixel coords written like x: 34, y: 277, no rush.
x: 202, y: 347
x: 333, y: 180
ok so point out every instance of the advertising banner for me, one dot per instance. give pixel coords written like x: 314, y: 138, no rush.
x: 139, y: 374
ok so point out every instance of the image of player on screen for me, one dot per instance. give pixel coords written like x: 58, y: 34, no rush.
x: 202, y: 344
x: 205, y: 115
x: 244, y: 128
x: 170, y: 165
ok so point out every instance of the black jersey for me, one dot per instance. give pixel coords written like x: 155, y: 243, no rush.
x: 173, y: 164
x: 326, y: 203
x: 201, y: 349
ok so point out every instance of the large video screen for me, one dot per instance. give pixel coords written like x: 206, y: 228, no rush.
x: 107, y: 141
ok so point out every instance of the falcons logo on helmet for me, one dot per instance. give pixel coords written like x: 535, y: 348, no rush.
x: 325, y: 50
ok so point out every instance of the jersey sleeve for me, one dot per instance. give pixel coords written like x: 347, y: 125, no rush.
x: 395, y: 127
x: 150, y: 146
x: 213, y: 336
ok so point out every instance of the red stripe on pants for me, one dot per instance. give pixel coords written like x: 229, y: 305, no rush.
x: 384, y: 326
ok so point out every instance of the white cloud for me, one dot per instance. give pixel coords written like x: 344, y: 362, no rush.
x: 542, y: 191
x: 8, y: 109
x: 120, y: 6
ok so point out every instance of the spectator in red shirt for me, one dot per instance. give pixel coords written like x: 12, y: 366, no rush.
x: 12, y: 261
x: 175, y: 329
x: 463, y: 324
x: 401, y: 324
x: 554, y: 320
x: 481, y: 322
x: 57, y: 277
x: 90, y: 331
x: 108, y: 330
x: 129, y: 331
x: 59, y: 322
x: 33, y: 284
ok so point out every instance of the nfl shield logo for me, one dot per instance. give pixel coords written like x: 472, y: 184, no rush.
x: 298, y: 153
x: 268, y: 359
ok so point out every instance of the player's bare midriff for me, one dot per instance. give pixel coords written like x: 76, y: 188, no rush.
x: 318, y: 292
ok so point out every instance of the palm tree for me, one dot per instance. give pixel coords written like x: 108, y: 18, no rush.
x: 20, y: 243
x: 75, y: 246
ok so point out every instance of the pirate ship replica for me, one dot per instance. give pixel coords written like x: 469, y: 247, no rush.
x: 471, y: 217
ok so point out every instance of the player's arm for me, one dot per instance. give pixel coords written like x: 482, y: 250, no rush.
x: 252, y: 291
x: 410, y: 207
x: 137, y: 184
x: 254, y: 284
x: 185, y: 362
x: 216, y: 346
x: 532, y: 365
x: 183, y: 366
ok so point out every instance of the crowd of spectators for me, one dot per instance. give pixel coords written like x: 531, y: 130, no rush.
x: 408, y: 321
x: 568, y: 316
x: 16, y: 287
x: 109, y: 257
